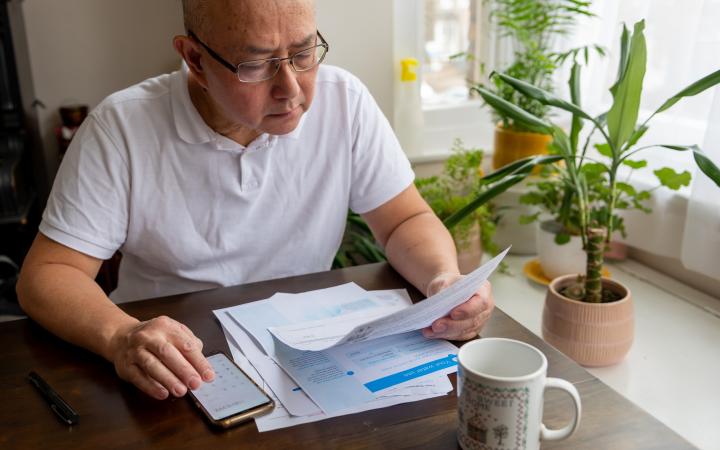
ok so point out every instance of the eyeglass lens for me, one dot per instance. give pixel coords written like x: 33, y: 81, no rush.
x: 266, y: 69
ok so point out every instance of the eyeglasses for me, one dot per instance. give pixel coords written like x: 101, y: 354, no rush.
x: 259, y: 70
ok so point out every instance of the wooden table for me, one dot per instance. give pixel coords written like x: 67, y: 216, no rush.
x: 114, y: 414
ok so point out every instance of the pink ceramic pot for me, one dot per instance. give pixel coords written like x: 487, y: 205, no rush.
x: 593, y: 334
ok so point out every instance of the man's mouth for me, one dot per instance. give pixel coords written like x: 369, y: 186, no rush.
x: 284, y: 113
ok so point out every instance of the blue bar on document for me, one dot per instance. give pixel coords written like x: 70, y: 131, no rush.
x: 415, y: 372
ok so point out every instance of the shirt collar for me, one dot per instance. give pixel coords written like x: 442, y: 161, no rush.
x: 192, y: 128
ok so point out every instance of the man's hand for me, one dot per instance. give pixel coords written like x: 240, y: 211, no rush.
x: 160, y: 356
x: 464, y: 321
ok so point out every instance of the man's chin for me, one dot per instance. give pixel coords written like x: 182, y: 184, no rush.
x: 280, y: 124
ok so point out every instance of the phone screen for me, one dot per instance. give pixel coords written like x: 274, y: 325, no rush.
x: 231, y: 391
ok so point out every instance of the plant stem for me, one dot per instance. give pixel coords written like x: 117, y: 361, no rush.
x: 613, y: 199
x: 595, y: 255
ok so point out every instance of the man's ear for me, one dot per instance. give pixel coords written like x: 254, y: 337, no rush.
x: 188, y: 51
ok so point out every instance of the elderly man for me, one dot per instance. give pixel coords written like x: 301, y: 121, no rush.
x: 240, y: 167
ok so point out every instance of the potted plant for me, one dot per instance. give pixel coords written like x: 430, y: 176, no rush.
x: 458, y: 183
x: 532, y: 27
x: 589, y: 317
x: 358, y: 244
x: 559, y: 243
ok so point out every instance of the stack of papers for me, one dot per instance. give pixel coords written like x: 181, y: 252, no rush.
x: 343, y: 350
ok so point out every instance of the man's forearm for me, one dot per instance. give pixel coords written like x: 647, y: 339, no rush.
x: 420, y: 249
x: 71, y: 305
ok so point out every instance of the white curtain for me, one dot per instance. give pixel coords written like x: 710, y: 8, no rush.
x: 683, y: 41
x: 701, y: 240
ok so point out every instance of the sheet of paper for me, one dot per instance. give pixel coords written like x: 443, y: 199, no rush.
x: 289, y: 393
x: 279, y: 417
x: 339, y: 379
x: 324, y: 334
x: 319, y: 305
x: 349, y: 375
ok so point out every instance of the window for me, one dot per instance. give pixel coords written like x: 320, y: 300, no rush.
x: 446, y: 30
x: 439, y: 30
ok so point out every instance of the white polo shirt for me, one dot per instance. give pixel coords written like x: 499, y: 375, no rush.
x: 191, y: 209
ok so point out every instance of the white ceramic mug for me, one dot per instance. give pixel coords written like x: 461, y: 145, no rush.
x: 501, y: 386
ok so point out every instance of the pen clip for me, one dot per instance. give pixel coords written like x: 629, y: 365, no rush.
x: 61, y: 414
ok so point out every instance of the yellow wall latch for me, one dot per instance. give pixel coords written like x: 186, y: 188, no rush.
x: 408, y: 69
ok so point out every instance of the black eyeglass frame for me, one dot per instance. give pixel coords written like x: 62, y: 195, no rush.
x: 235, y: 68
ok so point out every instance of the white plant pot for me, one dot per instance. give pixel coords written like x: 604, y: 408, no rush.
x: 558, y: 260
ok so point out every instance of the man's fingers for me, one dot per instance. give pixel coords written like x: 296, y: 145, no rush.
x: 472, y: 307
x: 479, y: 302
x: 156, y: 369
x: 137, y: 376
x: 457, y: 329
x: 177, y: 363
x: 191, y: 349
x: 201, y: 365
x: 189, y: 332
x: 185, y: 356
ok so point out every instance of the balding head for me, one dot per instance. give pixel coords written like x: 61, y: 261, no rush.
x: 197, y: 13
x: 194, y: 14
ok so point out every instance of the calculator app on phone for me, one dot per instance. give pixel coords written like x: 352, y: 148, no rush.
x: 231, y: 392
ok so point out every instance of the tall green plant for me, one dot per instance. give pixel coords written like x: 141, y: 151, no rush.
x: 533, y: 27
x: 620, y: 131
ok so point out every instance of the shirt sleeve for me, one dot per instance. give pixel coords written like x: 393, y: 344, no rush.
x: 88, y: 206
x: 380, y: 169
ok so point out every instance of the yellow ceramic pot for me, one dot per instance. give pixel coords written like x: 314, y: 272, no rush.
x: 513, y: 145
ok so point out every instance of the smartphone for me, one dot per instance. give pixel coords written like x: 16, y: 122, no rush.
x: 232, y: 397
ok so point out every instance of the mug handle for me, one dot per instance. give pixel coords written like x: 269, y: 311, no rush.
x: 547, y: 434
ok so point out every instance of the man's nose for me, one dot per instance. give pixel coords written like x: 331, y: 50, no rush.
x: 285, y: 82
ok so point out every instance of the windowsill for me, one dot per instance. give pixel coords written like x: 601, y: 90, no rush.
x: 468, y: 121
x: 671, y: 369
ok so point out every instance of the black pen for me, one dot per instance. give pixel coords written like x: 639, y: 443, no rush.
x: 57, y: 404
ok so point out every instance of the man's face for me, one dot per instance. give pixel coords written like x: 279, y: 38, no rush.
x: 257, y: 29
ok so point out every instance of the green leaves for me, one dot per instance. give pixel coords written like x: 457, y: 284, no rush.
x: 484, y: 197
x: 622, y: 63
x: 542, y: 96
x: 593, y: 171
x: 627, y: 91
x: 637, y: 134
x: 604, y: 149
x: 515, y: 113
x: 562, y: 238
x: 707, y: 166
x: 671, y: 179
x: 704, y: 163
x: 523, y: 166
x: 528, y: 219
x: 635, y: 164
x: 695, y: 88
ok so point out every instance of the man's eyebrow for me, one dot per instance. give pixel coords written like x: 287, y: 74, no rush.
x: 309, y: 39
x: 306, y: 42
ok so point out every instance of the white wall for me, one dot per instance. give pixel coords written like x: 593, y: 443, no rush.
x: 360, y: 34
x: 83, y: 50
